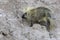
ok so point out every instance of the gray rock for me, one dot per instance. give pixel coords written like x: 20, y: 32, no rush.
x: 13, y: 28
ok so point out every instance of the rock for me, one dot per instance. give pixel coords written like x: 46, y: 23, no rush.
x: 13, y: 28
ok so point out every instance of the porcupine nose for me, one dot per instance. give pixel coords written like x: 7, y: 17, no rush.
x: 23, y: 16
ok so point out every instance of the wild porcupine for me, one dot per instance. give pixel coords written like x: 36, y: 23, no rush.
x: 39, y: 15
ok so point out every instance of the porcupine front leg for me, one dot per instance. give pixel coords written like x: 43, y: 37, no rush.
x: 31, y: 23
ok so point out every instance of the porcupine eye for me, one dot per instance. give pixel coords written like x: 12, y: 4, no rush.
x: 23, y: 16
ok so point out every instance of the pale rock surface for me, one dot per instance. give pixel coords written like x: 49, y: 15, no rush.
x: 13, y: 28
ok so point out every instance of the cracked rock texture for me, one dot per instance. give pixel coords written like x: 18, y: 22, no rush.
x: 13, y: 28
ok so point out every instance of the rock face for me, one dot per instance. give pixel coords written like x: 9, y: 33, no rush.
x: 13, y: 28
